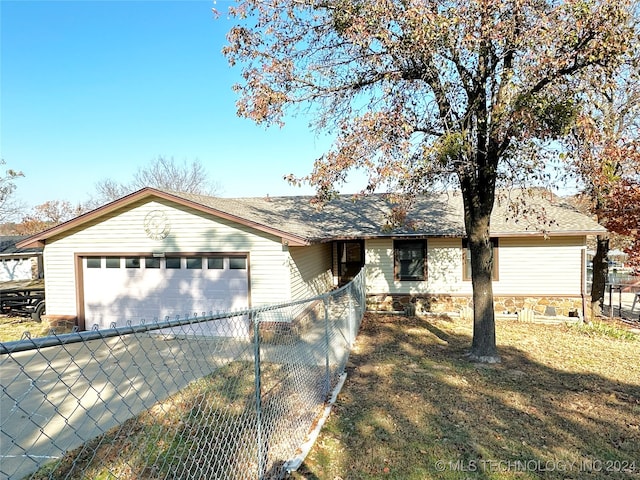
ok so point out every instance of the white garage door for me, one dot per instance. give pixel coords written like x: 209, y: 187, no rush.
x: 133, y: 289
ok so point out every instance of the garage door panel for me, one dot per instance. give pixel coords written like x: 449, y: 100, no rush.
x: 132, y: 295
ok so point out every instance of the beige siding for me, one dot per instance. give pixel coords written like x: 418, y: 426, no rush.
x: 444, y: 263
x: 535, y: 266
x: 378, y: 260
x: 310, y: 270
x: 527, y: 266
x: 444, y: 268
x: 190, y: 231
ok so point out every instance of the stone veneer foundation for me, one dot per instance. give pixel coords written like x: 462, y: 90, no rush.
x: 60, y: 322
x: 423, y: 304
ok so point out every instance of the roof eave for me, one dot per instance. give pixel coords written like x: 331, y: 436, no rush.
x: 551, y: 233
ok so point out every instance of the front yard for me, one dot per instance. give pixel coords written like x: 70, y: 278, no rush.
x: 563, y: 404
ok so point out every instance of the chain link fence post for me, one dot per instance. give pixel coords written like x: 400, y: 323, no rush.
x: 351, y: 316
x: 327, y: 378
x: 258, y: 396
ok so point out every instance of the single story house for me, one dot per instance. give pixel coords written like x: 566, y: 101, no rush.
x: 19, y: 263
x: 156, y: 253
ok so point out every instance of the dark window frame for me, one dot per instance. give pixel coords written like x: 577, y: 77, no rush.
x: 400, y: 249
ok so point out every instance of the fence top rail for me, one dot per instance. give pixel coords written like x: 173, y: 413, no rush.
x: 623, y: 284
x: 95, y: 334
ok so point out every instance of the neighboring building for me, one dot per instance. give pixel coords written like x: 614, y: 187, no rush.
x: 155, y: 253
x: 19, y: 263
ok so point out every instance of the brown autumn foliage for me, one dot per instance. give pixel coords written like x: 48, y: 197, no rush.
x: 47, y: 215
x: 427, y: 93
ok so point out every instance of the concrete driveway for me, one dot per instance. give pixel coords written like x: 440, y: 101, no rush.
x: 56, y: 398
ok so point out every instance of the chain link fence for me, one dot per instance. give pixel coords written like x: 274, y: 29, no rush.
x: 225, y: 396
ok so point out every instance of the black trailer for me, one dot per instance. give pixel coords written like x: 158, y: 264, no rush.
x: 23, y: 298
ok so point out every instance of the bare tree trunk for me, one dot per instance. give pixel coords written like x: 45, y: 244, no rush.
x: 600, y: 275
x: 478, y: 201
x: 483, y: 346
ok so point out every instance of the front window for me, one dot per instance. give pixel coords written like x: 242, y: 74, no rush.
x: 410, y: 259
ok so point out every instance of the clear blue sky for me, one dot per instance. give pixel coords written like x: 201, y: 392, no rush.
x: 95, y: 89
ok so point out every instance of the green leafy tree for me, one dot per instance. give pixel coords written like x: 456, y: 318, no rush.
x: 424, y: 92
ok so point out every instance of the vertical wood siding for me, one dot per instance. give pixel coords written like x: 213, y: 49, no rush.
x: 190, y: 231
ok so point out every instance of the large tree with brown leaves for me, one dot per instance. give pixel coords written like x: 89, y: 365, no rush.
x: 420, y: 92
x: 604, y: 153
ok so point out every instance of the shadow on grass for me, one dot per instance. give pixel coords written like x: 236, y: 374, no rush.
x: 559, y: 406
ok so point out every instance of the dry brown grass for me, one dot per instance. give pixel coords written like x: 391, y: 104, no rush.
x: 13, y: 328
x: 563, y: 404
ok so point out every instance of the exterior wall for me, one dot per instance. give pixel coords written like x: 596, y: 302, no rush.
x: 535, y: 266
x: 311, y: 275
x: 310, y: 270
x: 18, y: 269
x: 444, y: 269
x: 189, y: 232
x: 527, y: 266
x: 533, y: 273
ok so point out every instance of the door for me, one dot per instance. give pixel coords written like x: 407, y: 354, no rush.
x: 350, y: 260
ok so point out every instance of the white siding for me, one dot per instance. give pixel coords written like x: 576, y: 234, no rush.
x: 527, y: 266
x: 190, y: 232
x: 310, y: 269
x: 16, y: 269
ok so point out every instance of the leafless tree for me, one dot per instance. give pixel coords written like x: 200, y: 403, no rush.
x: 162, y: 173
